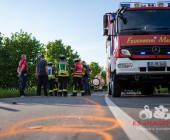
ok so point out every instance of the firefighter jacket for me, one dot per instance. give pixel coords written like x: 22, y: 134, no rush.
x: 77, y: 70
x: 51, y: 72
x: 63, y: 69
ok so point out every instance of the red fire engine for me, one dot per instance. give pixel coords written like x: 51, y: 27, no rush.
x: 138, y: 47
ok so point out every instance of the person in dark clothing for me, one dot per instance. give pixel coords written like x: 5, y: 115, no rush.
x: 42, y: 74
x: 86, y: 78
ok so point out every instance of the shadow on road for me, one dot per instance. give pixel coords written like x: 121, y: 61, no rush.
x: 8, y: 109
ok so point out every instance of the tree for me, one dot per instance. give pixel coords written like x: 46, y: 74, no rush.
x: 57, y: 48
x: 96, y: 70
x: 12, y: 49
x: 103, y: 75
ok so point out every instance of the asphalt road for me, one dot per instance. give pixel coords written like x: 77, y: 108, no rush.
x: 96, y: 117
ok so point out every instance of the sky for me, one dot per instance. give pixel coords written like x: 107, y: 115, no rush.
x: 77, y: 23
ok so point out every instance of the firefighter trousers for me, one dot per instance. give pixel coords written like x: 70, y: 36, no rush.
x: 78, y: 80
x: 62, y: 86
x: 55, y: 87
x: 51, y: 86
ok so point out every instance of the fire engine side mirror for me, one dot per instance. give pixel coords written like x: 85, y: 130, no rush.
x: 105, y: 21
x: 112, y: 18
x: 105, y: 32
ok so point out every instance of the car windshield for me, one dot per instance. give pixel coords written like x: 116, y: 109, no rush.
x: 133, y: 21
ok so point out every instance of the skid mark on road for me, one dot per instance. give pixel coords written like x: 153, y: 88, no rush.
x: 72, y: 127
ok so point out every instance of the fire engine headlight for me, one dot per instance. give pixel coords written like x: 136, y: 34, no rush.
x: 125, y: 52
x: 125, y: 65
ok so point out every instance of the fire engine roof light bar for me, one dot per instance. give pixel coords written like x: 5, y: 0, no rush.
x: 128, y: 4
x: 148, y: 4
x: 163, y: 3
x: 168, y: 52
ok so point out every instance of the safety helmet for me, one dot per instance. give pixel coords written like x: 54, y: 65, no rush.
x: 62, y: 57
x: 50, y: 63
x: 77, y: 59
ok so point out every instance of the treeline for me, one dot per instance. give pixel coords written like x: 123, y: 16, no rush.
x: 20, y: 43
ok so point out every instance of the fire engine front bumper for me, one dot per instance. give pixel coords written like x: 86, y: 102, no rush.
x: 125, y: 66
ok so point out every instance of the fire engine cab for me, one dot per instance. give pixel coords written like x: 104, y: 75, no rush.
x: 137, y: 47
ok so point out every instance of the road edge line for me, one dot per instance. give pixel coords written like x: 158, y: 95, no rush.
x: 130, y: 130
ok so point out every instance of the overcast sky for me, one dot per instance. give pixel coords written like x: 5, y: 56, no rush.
x: 77, y: 22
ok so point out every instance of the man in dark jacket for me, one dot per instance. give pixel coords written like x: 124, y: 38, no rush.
x: 42, y: 74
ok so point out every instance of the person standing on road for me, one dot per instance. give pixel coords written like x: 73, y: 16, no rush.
x: 63, y: 76
x: 51, y: 78
x: 42, y: 74
x: 86, y: 78
x: 22, y: 74
x: 77, y: 71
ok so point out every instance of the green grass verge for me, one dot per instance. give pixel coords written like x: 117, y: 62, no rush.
x: 14, y: 93
x: 4, y: 93
x: 8, y: 93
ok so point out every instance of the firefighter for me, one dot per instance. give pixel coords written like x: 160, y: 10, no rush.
x: 63, y: 76
x: 77, y: 71
x: 51, y: 78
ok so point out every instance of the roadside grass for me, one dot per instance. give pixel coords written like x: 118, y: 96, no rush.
x: 9, y: 94
x: 4, y: 93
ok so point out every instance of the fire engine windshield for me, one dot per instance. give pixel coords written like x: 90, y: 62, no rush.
x: 133, y: 22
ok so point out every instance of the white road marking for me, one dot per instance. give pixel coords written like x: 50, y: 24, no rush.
x: 127, y: 126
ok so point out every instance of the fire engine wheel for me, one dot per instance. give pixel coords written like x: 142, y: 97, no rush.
x: 147, y: 90
x: 116, y: 88
x: 109, y: 89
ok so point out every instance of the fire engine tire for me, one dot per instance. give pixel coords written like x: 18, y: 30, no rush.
x: 116, y: 88
x: 147, y: 90
x: 109, y: 90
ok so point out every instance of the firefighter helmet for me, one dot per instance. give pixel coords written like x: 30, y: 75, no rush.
x: 50, y: 63
x: 62, y: 57
x: 77, y: 59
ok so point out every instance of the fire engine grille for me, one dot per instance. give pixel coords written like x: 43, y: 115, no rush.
x: 146, y: 50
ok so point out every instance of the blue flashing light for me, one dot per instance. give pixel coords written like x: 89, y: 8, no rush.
x: 125, y: 5
x: 168, y: 52
x: 145, y: 53
x: 168, y: 5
